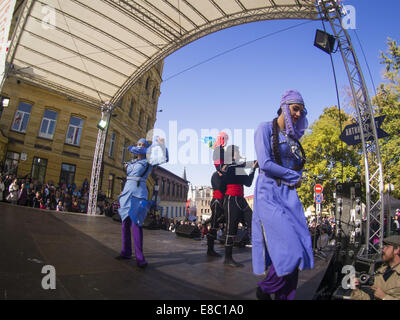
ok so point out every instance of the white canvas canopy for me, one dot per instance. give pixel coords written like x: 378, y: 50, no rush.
x: 95, y: 50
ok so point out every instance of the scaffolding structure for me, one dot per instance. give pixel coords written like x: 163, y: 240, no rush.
x: 106, y: 111
x: 332, y: 12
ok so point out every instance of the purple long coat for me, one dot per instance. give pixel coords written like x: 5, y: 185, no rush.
x: 279, y: 229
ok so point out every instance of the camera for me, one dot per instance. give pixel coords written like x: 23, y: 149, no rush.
x: 366, y: 279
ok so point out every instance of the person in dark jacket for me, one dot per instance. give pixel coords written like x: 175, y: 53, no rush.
x: 236, y: 208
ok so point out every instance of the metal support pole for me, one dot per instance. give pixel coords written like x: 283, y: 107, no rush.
x: 388, y: 224
x: 106, y: 110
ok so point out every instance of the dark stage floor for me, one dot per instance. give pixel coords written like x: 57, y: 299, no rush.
x: 82, y: 250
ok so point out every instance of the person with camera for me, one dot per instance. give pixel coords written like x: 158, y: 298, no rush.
x: 280, y: 236
x: 386, y: 284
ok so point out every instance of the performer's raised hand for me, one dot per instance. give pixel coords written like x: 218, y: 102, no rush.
x: 160, y: 140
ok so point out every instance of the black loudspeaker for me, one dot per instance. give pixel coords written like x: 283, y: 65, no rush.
x: 150, y: 223
x: 187, y: 231
x: 117, y: 217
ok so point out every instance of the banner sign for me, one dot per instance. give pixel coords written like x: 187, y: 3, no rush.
x: 351, y: 133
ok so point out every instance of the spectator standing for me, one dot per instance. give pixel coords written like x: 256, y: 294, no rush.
x: 60, y: 207
x: 13, y: 192
x: 22, y: 195
x: 323, y: 239
x: 396, y: 224
x: 2, y: 188
x: 36, y: 200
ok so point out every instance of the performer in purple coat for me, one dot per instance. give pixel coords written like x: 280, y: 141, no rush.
x: 280, y: 237
x: 133, y: 199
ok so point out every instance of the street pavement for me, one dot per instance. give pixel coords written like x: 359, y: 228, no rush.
x: 82, y: 249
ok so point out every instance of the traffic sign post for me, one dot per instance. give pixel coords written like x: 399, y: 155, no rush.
x: 318, y: 188
x: 319, y: 198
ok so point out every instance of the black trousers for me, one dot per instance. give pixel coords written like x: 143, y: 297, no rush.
x: 236, y: 209
x: 217, y: 216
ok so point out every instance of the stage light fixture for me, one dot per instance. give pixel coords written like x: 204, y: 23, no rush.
x: 5, y: 101
x: 324, y: 41
x: 102, y: 124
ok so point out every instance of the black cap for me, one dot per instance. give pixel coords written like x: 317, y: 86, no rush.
x: 392, y: 240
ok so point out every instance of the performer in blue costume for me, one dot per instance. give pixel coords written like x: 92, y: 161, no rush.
x: 133, y: 199
x: 280, y: 236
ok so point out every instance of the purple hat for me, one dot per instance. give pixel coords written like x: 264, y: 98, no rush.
x: 140, y: 150
x: 143, y: 140
x: 291, y: 97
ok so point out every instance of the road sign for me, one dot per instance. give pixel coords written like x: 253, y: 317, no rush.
x: 351, y: 133
x: 318, y: 188
x: 319, y: 198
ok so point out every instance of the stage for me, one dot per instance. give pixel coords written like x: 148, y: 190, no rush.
x: 82, y: 250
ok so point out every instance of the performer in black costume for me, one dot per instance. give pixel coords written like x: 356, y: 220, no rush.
x: 236, y: 208
x: 217, y: 211
x: 219, y: 187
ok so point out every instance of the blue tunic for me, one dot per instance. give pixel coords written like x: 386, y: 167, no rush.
x: 131, y: 198
x: 279, y: 229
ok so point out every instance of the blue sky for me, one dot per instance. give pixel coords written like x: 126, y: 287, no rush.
x: 242, y: 88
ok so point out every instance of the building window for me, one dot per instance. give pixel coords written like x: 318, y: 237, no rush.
x: 110, y: 189
x: 140, y: 118
x: 124, y: 149
x: 48, y: 124
x: 74, y: 131
x: 148, y: 125
x: 22, y: 117
x: 154, y: 93
x: 167, y: 212
x: 112, y: 143
x: 67, y: 175
x: 11, y: 163
x: 39, y: 169
x: 131, y: 108
x: 147, y: 84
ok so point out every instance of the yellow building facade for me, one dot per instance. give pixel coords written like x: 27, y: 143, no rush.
x: 51, y: 137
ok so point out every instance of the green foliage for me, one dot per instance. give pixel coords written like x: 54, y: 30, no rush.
x: 388, y: 102
x: 329, y: 161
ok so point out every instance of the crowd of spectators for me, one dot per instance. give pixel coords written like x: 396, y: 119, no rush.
x: 171, y: 224
x: 25, y: 191
x: 321, y: 231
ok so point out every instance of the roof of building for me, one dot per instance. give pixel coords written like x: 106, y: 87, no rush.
x: 160, y: 171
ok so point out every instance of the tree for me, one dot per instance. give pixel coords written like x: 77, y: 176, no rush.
x: 329, y: 160
x: 388, y: 102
